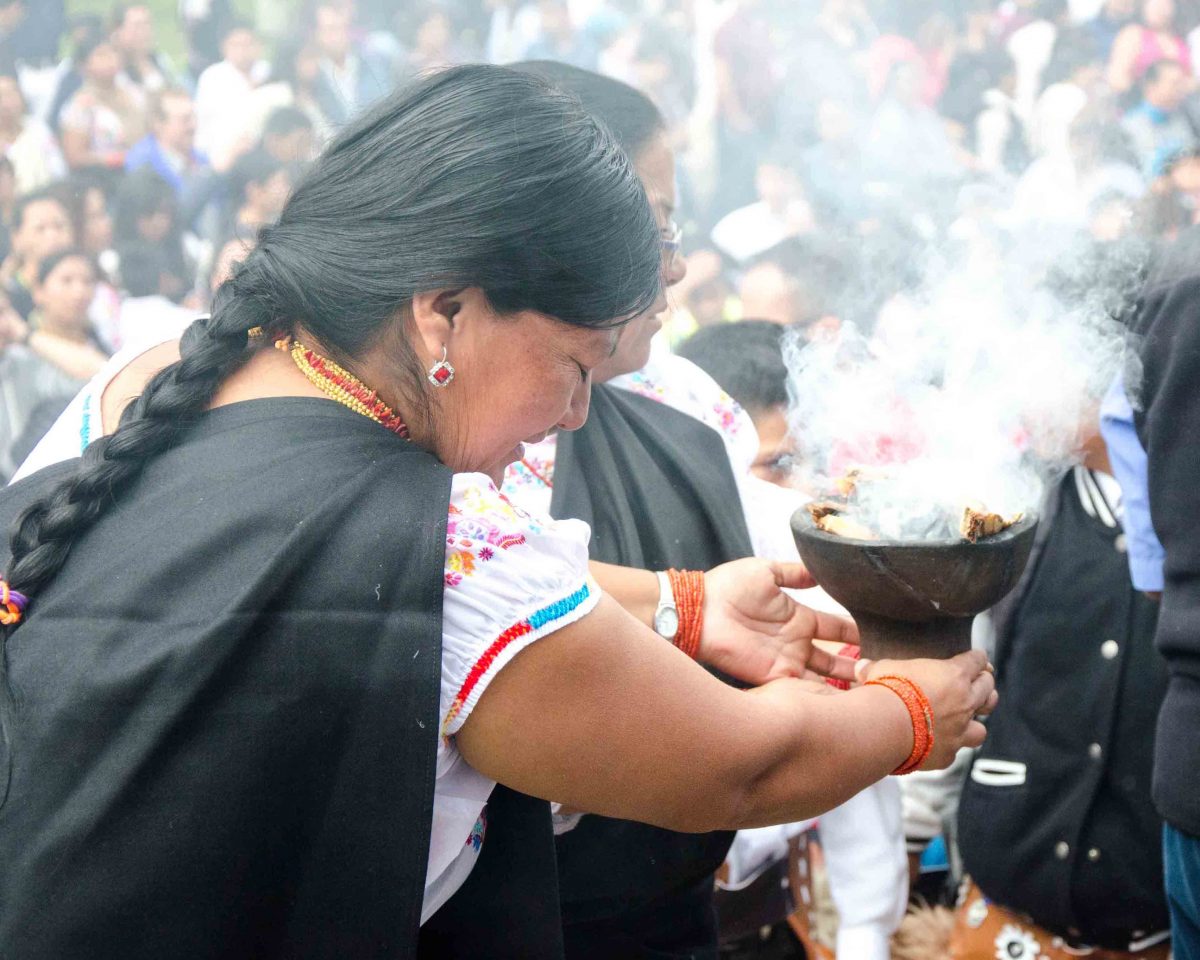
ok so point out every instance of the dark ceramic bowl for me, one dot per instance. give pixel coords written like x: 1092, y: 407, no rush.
x: 914, y: 599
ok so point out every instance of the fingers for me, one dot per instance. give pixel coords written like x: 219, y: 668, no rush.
x: 982, y: 688
x: 794, y: 576
x: 989, y: 705
x: 975, y: 735
x: 829, y: 626
x: 831, y: 665
x: 973, y: 661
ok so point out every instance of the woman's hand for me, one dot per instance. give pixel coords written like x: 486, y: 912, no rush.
x: 755, y: 632
x: 959, y: 690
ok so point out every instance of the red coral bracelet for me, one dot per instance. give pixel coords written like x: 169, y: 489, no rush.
x: 921, y: 714
x: 687, y: 586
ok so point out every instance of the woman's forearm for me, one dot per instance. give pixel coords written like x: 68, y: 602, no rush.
x: 602, y: 716
x: 79, y: 360
x: 635, y: 590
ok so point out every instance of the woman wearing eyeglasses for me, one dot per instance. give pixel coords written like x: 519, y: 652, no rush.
x: 284, y: 672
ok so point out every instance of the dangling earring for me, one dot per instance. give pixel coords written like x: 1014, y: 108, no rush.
x: 441, y: 373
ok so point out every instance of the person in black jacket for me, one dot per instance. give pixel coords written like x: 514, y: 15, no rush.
x: 1168, y: 423
x: 1056, y: 828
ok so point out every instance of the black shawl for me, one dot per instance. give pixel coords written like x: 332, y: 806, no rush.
x: 227, y: 702
x: 658, y: 489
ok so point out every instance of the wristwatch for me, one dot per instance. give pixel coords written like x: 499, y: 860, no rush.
x: 666, y: 616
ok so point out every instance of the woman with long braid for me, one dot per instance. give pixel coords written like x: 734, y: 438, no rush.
x: 271, y: 645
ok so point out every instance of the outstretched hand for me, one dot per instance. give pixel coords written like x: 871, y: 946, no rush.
x: 755, y: 632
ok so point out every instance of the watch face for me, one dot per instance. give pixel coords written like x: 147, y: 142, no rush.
x: 666, y: 622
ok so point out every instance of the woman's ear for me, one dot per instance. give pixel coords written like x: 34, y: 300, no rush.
x: 442, y: 317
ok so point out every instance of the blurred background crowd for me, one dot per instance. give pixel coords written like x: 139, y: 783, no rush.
x: 821, y: 142
x: 827, y: 148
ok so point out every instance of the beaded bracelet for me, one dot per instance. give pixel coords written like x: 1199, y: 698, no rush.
x: 921, y: 714
x: 688, y: 589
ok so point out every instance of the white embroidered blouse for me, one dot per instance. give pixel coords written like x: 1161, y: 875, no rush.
x: 511, y: 578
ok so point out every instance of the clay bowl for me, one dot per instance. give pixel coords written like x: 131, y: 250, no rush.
x: 914, y: 599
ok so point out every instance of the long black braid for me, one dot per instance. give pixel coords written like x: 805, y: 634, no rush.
x: 476, y: 176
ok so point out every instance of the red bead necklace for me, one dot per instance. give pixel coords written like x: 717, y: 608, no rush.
x: 341, y: 385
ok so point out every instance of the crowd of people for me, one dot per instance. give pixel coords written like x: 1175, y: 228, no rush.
x: 809, y: 166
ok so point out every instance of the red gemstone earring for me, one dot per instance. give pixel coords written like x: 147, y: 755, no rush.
x: 441, y: 373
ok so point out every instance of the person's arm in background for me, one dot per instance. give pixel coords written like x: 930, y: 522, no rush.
x: 867, y: 869
x: 1129, y: 466
x: 78, y: 360
x: 863, y: 838
x: 1122, y: 58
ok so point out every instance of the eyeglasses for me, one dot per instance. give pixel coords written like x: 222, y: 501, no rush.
x: 671, y: 237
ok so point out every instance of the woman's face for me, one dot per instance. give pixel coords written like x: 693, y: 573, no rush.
x: 155, y: 227
x: 45, y: 229
x: 516, y: 378
x: 655, y: 165
x: 66, y: 294
x: 97, y: 222
x: 1158, y: 14
x: 12, y: 104
x: 103, y: 65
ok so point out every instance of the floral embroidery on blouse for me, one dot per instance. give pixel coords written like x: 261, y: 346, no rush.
x: 478, y: 832
x: 530, y: 472
x: 722, y: 416
x: 489, y: 523
x: 642, y: 385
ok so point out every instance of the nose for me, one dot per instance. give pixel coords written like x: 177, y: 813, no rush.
x: 577, y: 412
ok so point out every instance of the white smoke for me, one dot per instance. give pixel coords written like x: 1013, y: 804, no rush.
x: 978, y: 388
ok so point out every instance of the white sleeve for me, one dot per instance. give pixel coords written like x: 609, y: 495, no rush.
x: 867, y: 866
x: 510, y: 579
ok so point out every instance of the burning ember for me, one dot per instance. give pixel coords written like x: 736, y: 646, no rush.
x: 843, y: 514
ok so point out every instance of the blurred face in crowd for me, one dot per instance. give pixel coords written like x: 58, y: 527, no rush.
x: 770, y: 293
x: 156, y: 227
x: 434, y: 33
x: 773, y: 462
x: 234, y: 252
x: 332, y: 33
x: 556, y: 21
x: 308, y: 65
x: 1159, y: 14
x: 1120, y: 9
x: 12, y: 103
x: 655, y: 165
x: 45, y: 228
x: 240, y: 48
x: 175, y: 125
x: 268, y: 198
x: 12, y: 12
x: 66, y: 294
x: 135, y: 35
x: 1169, y: 87
x: 97, y: 222
x: 103, y: 65
x: 295, y: 146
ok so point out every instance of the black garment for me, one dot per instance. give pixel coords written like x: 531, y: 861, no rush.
x: 1169, y: 426
x: 508, y: 907
x: 1065, y: 830
x: 658, y: 490
x: 227, y: 701
x: 20, y: 297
